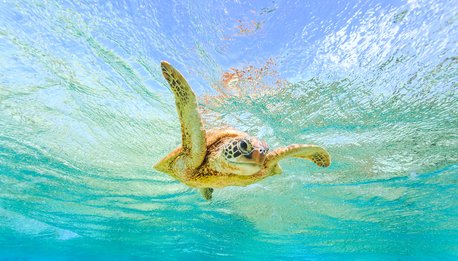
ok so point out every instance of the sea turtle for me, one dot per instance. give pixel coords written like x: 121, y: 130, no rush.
x: 222, y: 157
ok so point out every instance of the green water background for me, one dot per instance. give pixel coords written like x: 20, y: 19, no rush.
x: 85, y: 113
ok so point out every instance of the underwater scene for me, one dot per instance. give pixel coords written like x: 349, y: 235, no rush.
x: 85, y: 114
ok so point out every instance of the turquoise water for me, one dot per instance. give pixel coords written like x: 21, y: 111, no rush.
x: 85, y: 113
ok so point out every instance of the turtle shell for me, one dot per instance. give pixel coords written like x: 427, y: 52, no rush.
x: 211, y: 136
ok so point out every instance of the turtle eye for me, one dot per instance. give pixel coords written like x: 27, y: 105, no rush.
x: 245, y: 146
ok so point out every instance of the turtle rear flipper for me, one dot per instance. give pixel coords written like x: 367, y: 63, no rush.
x: 206, y: 193
x: 192, y: 129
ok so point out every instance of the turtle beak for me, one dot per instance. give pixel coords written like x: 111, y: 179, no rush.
x: 258, y: 156
x: 259, y: 153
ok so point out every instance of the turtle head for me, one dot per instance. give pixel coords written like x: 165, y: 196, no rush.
x: 245, y: 155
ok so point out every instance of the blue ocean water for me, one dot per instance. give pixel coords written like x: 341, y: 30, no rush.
x: 85, y: 113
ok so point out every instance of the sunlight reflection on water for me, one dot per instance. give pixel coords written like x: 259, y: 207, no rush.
x: 85, y: 113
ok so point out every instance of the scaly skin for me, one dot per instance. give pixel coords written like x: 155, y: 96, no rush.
x: 212, y: 173
x: 215, y: 172
x: 200, y: 162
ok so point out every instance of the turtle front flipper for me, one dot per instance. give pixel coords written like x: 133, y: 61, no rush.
x: 314, y: 153
x: 192, y: 129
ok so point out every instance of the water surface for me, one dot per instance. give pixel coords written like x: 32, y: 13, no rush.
x: 85, y: 113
